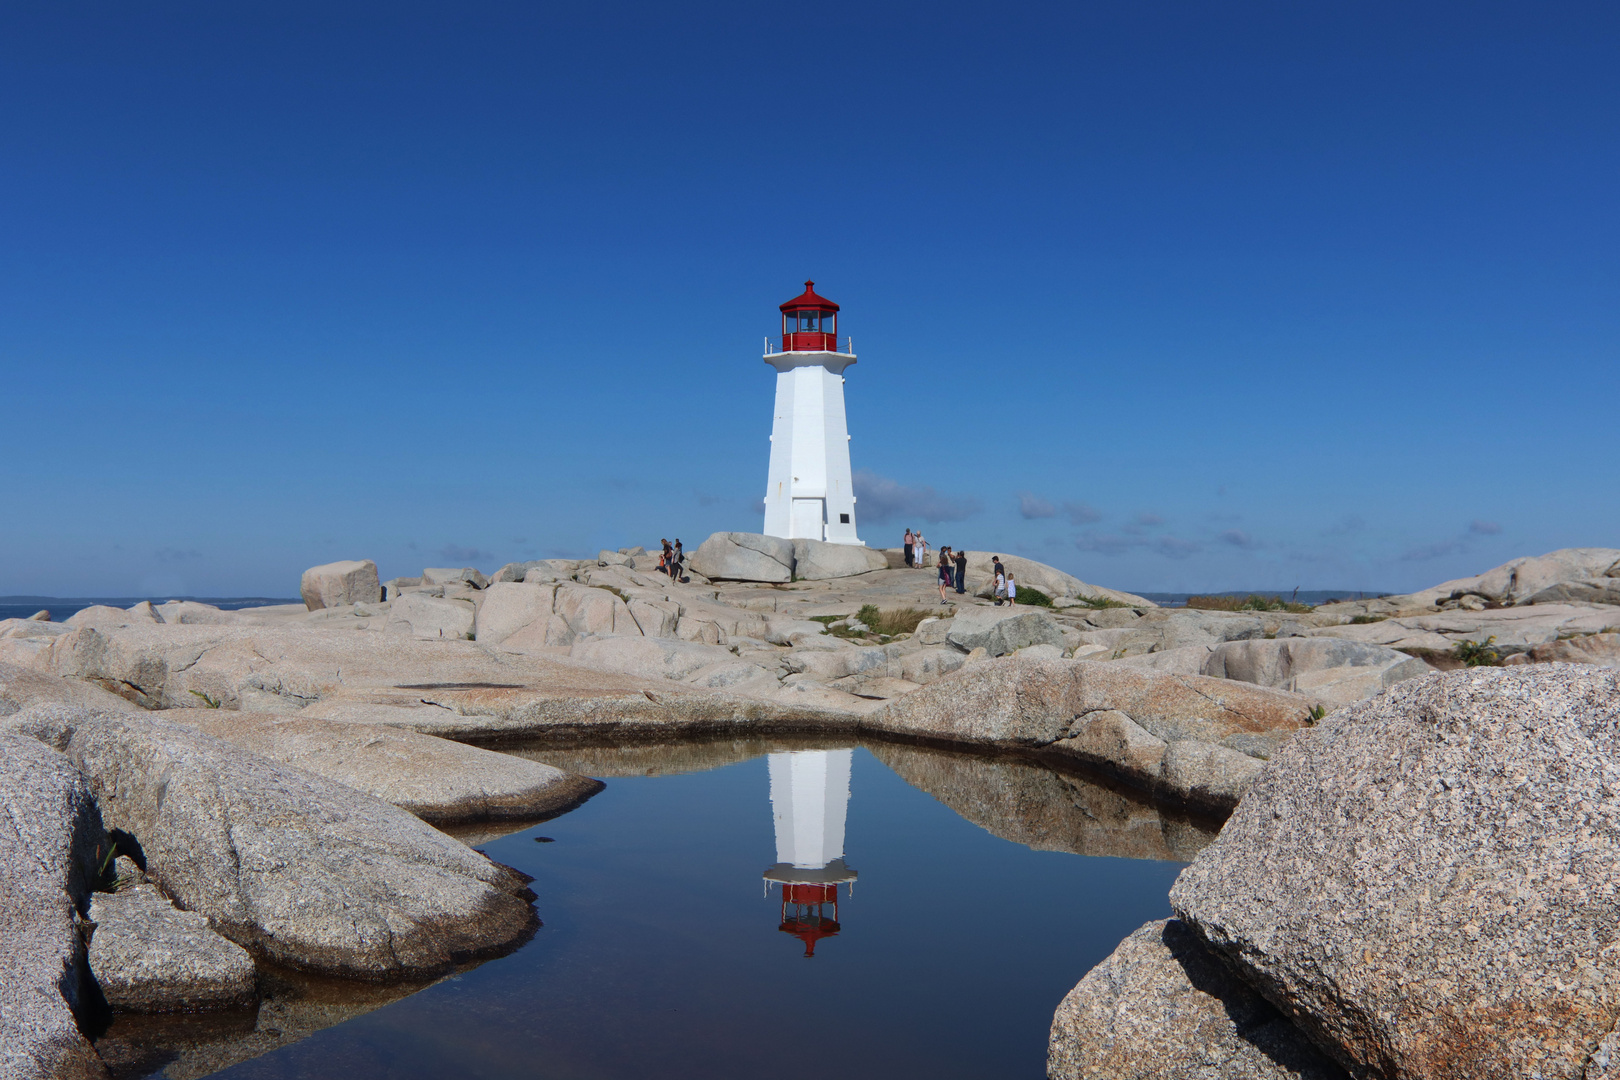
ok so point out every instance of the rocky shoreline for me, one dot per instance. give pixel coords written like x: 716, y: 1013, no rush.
x: 242, y: 792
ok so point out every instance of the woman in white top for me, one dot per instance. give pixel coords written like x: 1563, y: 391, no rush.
x: 922, y: 549
x: 1012, y: 589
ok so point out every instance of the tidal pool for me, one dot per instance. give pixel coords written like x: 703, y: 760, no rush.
x: 749, y: 908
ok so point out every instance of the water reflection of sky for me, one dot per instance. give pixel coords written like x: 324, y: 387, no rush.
x: 659, y: 954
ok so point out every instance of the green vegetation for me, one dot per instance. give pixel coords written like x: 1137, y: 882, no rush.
x: 1035, y: 597
x: 1097, y: 603
x: 1315, y: 715
x: 869, y: 614
x: 1477, y: 653
x: 208, y: 702
x: 1362, y: 620
x: 1252, y: 602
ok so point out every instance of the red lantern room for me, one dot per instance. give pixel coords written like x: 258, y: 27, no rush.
x: 809, y: 323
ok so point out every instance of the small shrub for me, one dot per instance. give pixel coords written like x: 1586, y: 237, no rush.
x: 1035, y: 597
x: 1362, y: 620
x: 869, y: 614
x: 1097, y: 603
x: 208, y: 702
x: 1315, y: 715
x: 1477, y: 653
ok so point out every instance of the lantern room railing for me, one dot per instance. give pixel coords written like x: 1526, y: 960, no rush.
x: 810, y: 341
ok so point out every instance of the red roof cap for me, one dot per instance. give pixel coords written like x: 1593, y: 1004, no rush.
x: 809, y: 300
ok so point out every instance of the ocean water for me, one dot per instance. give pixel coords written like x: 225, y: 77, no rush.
x: 984, y: 891
x: 60, y: 607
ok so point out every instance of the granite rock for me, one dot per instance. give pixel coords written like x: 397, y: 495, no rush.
x: 735, y: 556
x: 1600, y: 649
x: 351, y: 581
x: 1002, y: 630
x: 817, y: 560
x: 294, y: 867
x: 22, y: 687
x: 1162, y: 1007
x: 149, y: 956
x: 1059, y: 708
x: 51, y: 844
x: 1425, y: 882
x: 435, y: 779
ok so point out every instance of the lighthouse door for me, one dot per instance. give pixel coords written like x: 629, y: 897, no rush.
x: 809, y: 519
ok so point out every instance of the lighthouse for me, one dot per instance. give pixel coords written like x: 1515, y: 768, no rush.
x: 809, y: 801
x: 808, y: 494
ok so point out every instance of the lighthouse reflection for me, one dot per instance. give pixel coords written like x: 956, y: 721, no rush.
x: 809, y: 801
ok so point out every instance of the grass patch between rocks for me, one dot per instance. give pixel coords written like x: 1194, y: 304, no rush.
x: 1034, y: 597
x: 1252, y: 602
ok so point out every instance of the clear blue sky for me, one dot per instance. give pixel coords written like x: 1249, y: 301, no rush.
x: 1173, y: 296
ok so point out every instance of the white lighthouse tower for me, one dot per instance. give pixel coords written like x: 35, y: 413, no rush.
x: 809, y: 801
x: 809, y: 494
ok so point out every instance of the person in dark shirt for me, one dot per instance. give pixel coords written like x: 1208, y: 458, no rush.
x: 960, y: 559
x: 677, y: 556
x: 944, y: 573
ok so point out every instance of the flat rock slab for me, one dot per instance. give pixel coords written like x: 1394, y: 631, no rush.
x: 51, y: 840
x: 1332, y: 670
x: 1163, y: 1007
x: 294, y: 867
x: 457, y: 689
x: 1001, y: 630
x: 149, y: 956
x: 435, y: 779
x: 1425, y: 882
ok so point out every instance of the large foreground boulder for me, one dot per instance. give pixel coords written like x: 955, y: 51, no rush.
x: 735, y: 556
x: 51, y: 842
x: 294, y: 867
x: 1330, y: 669
x: 1425, y: 882
x: 817, y: 560
x: 1162, y: 1007
x: 351, y: 581
x: 1191, y: 739
x: 433, y: 778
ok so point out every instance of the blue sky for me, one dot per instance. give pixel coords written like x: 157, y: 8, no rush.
x: 1173, y: 296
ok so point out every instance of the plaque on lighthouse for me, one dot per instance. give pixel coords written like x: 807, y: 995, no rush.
x: 809, y: 495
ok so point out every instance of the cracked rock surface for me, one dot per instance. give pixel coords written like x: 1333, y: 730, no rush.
x: 149, y: 956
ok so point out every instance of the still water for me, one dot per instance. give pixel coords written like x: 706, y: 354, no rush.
x: 745, y: 909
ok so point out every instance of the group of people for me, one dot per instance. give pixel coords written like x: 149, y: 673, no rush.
x: 670, y: 561
x: 952, y: 569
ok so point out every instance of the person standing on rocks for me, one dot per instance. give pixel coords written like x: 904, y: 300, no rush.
x: 677, y: 556
x: 910, y: 541
x: 960, y: 559
x: 922, y: 551
x: 944, y: 572
x: 1001, y: 585
x: 1012, y: 589
x: 666, y: 561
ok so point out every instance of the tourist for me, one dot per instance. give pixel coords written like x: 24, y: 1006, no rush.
x: 960, y: 559
x: 677, y: 556
x: 922, y: 551
x: 1001, y: 585
x: 910, y: 540
x: 667, y: 559
x: 944, y: 573
x: 996, y: 569
x: 1012, y: 589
